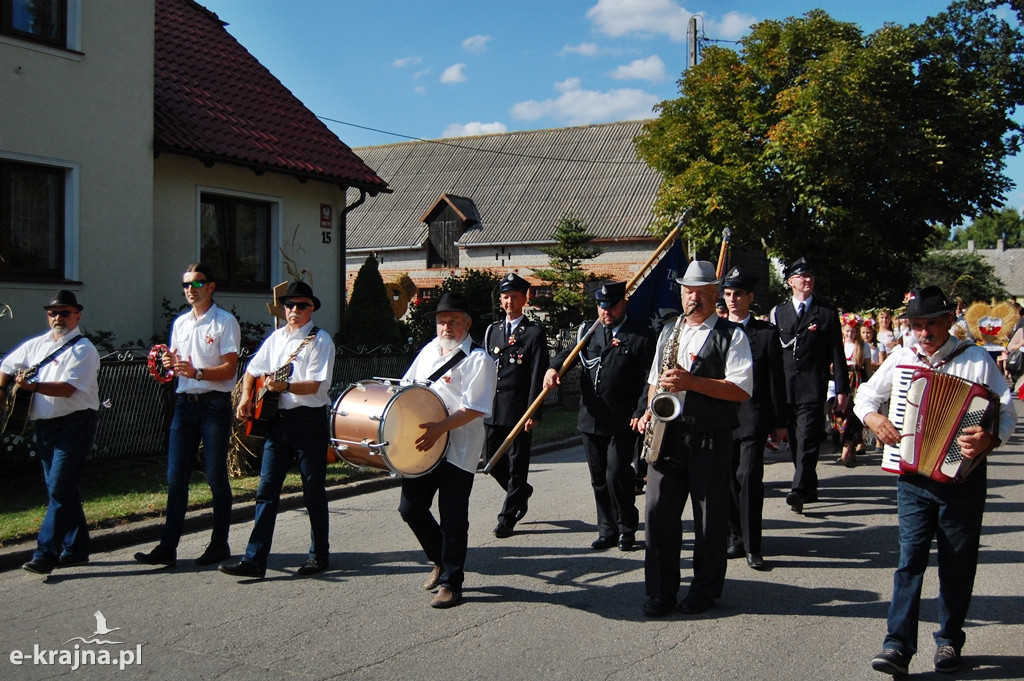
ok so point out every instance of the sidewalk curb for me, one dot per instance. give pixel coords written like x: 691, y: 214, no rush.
x: 110, y: 538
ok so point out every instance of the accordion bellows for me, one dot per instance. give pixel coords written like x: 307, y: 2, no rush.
x: 939, y: 407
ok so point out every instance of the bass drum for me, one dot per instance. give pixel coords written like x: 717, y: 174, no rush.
x: 376, y: 424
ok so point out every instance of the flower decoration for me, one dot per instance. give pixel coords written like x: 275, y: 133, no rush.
x: 812, y: 328
x: 615, y: 342
x: 851, y: 319
x: 512, y: 339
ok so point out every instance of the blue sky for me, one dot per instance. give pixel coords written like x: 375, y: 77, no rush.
x: 445, y: 68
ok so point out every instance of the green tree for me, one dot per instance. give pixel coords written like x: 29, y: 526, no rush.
x: 817, y: 140
x: 569, y: 304
x: 966, y: 275
x: 986, y: 230
x: 369, y: 320
x: 479, y: 288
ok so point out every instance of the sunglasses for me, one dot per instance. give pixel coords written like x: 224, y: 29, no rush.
x: 298, y: 306
x: 194, y: 284
x: 63, y: 314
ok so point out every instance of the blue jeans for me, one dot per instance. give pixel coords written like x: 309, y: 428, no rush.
x: 296, y: 434
x: 64, y: 443
x: 951, y: 513
x: 446, y: 543
x: 208, y: 420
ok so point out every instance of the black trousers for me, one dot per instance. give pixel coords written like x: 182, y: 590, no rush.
x: 511, y: 470
x: 747, y: 498
x: 806, y: 427
x: 610, y: 459
x: 445, y: 543
x: 694, y: 465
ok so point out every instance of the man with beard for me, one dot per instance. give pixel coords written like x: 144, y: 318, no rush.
x: 710, y: 375
x: 204, y: 356
x: 613, y: 396
x: 298, y: 432
x: 59, y: 370
x: 519, y: 349
x: 951, y: 512
x: 463, y: 376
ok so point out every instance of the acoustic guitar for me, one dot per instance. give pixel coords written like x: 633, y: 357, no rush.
x: 265, y: 402
x: 19, y: 404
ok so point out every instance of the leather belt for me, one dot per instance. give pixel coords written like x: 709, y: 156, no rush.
x: 203, y: 397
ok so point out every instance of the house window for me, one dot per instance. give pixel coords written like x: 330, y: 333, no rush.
x: 425, y: 295
x: 234, y: 240
x: 31, y: 222
x: 43, y: 21
x: 539, y: 294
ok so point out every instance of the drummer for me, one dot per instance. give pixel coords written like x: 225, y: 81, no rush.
x: 298, y: 432
x: 464, y: 378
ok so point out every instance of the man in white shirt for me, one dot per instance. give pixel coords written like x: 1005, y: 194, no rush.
x: 712, y: 373
x: 204, y: 357
x: 60, y: 370
x: 950, y: 511
x: 464, y: 377
x: 298, y: 432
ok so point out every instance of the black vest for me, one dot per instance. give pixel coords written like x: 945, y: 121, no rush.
x: 703, y: 413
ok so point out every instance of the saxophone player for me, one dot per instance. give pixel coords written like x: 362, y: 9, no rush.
x: 613, y: 395
x: 711, y: 376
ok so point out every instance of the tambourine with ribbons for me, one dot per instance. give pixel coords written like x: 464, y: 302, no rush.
x: 155, y: 364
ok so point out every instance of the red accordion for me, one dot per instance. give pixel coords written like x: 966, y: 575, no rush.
x: 939, y: 407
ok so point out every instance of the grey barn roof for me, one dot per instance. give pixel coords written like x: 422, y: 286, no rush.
x: 1008, y: 264
x: 520, y: 183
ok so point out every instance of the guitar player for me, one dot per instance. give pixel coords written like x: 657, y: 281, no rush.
x: 58, y: 371
x: 299, y: 430
x: 203, y: 355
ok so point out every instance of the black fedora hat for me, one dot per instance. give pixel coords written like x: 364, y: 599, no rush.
x: 299, y: 289
x: 63, y: 298
x: 926, y: 303
x: 451, y: 302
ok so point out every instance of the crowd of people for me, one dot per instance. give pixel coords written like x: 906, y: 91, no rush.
x: 725, y: 382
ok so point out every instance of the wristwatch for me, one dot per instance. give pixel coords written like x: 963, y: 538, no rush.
x: 199, y: 374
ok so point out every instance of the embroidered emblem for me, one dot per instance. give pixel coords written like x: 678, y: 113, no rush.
x: 447, y: 378
x: 210, y: 339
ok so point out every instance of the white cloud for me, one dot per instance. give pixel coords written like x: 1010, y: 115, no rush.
x: 583, y: 49
x: 476, y: 43
x: 405, y: 61
x: 420, y: 90
x: 474, y: 128
x: 420, y: 74
x: 577, y: 106
x: 617, y: 18
x: 652, y: 68
x: 454, y: 74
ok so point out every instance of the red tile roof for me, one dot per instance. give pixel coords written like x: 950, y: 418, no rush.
x: 215, y: 101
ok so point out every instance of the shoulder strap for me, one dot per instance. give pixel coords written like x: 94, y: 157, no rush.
x: 456, y: 358
x: 305, y: 341
x: 56, y: 353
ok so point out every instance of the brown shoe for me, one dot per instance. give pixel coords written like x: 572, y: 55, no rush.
x: 434, y: 579
x: 446, y: 597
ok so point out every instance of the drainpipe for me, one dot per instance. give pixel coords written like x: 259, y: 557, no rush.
x: 343, y: 225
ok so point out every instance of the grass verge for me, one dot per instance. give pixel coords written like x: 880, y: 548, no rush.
x: 114, y: 494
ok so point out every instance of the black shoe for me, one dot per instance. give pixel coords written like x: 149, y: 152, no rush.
x: 756, y: 561
x: 602, y: 543
x: 658, y: 607
x: 891, y: 661
x: 795, y: 501
x: 214, y: 554
x: 627, y: 542
x: 158, y: 556
x: 694, y: 605
x: 947, y: 659
x: 40, y: 566
x: 313, y: 566
x: 734, y: 551
x: 243, y: 568
x: 68, y: 560
x: 503, y: 530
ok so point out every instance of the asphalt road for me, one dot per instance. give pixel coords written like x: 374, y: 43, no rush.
x: 538, y: 605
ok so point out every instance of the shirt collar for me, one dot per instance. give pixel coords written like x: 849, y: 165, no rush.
x: 303, y: 331
x: 807, y: 303
x: 942, y: 353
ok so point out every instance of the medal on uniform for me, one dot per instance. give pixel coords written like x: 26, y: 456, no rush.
x: 496, y: 349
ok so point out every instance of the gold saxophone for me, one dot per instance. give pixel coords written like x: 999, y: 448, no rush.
x: 664, y: 405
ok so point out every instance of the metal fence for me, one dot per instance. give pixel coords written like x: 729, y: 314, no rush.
x: 135, y: 411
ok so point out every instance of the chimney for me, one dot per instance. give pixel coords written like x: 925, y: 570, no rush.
x: 1000, y: 245
x: 970, y: 244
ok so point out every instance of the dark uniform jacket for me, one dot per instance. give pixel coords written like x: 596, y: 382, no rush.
x: 812, y: 351
x: 521, y: 363
x: 613, y: 383
x: 763, y: 412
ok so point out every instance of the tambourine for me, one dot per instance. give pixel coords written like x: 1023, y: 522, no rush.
x: 155, y: 364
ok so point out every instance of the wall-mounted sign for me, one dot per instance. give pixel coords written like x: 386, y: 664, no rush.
x: 326, y: 216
